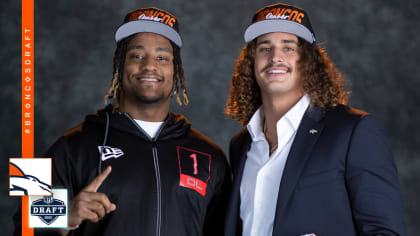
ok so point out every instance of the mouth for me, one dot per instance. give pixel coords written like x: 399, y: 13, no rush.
x: 277, y: 71
x: 149, y: 78
x: 274, y: 71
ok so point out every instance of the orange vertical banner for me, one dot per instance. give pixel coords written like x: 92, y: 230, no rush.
x: 27, y: 98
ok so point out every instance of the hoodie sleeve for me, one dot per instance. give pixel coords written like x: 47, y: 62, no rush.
x: 61, y: 178
x: 216, y: 210
x: 63, y: 172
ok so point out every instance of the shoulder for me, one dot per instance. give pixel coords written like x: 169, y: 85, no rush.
x: 82, y: 133
x: 239, y: 138
x: 75, y: 133
x: 355, y: 121
x: 238, y: 145
x: 202, y: 144
x: 345, y: 112
x: 203, y: 140
x: 78, y: 138
x: 343, y: 115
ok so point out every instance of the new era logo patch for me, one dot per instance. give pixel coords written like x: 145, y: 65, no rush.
x: 49, y: 211
x: 30, y: 176
x: 109, y: 152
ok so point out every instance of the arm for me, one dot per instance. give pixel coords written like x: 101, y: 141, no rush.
x: 372, y: 182
x: 216, y: 210
x: 85, y: 202
x: 58, y: 181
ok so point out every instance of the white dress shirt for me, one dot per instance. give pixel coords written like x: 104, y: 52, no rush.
x: 262, y: 173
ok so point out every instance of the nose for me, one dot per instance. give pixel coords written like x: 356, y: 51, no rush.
x: 277, y: 55
x: 149, y: 64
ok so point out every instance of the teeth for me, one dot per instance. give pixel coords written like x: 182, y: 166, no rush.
x: 149, y: 79
x: 277, y: 71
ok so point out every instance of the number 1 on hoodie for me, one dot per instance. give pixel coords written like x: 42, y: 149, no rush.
x: 194, y: 157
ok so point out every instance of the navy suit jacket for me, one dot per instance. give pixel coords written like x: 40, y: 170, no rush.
x: 339, y: 179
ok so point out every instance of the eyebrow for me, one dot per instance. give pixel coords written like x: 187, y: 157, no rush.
x: 163, y: 50
x: 283, y: 41
x: 139, y: 47
x: 134, y: 47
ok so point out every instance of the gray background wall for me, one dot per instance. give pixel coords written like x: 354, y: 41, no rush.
x: 373, y: 43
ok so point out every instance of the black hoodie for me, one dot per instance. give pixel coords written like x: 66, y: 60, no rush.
x: 173, y: 184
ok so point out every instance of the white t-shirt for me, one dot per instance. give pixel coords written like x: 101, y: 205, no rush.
x: 151, y: 128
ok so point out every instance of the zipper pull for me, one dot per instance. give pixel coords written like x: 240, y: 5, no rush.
x: 154, y: 143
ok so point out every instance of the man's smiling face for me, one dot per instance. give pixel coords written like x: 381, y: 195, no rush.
x: 148, y: 69
x: 275, y: 64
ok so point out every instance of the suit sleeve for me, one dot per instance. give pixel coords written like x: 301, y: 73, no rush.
x: 216, y: 210
x: 372, y: 182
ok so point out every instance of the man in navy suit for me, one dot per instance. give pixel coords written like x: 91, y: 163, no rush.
x: 304, y: 163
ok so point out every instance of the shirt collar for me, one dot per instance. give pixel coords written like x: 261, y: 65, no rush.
x: 255, y: 125
x: 293, y: 116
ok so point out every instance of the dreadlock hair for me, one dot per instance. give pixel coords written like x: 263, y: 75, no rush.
x: 119, y: 60
x: 321, y: 81
x: 179, y: 79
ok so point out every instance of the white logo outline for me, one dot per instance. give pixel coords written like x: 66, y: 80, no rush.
x: 108, y: 152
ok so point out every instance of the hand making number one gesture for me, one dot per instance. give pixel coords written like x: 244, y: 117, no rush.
x: 89, y: 204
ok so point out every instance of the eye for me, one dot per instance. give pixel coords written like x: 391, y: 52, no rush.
x: 163, y: 59
x: 265, y: 49
x: 137, y: 57
x: 288, y: 49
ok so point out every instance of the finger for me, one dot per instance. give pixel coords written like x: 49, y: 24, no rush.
x: 80, y: 212
x: 100, y: 198
x: 85, y: 207
x: 90, y: 215
x: 113, y: 207
x: 98, y: 209
x: 96, y: 183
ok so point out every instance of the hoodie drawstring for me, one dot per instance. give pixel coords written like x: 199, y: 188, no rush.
x: 103, y: 144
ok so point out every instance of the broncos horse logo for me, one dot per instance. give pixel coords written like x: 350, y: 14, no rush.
x: 22, y: 184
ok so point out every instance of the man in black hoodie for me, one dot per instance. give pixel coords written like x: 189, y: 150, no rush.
x: 135, y: 168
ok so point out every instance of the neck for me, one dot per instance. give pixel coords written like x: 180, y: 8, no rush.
x: 274, y: 109
x: 146, y: 112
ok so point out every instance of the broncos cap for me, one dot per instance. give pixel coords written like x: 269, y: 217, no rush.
x: 280, y: 18
x: 151, y: 20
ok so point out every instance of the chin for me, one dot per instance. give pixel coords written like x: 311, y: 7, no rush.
x: 150, y: 99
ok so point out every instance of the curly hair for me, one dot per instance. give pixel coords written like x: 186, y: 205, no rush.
x: 119, y: 60
x: 321, y: 81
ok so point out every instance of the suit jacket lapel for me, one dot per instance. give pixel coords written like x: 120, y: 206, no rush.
x: 233, y: 222
x: 307, y: 134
